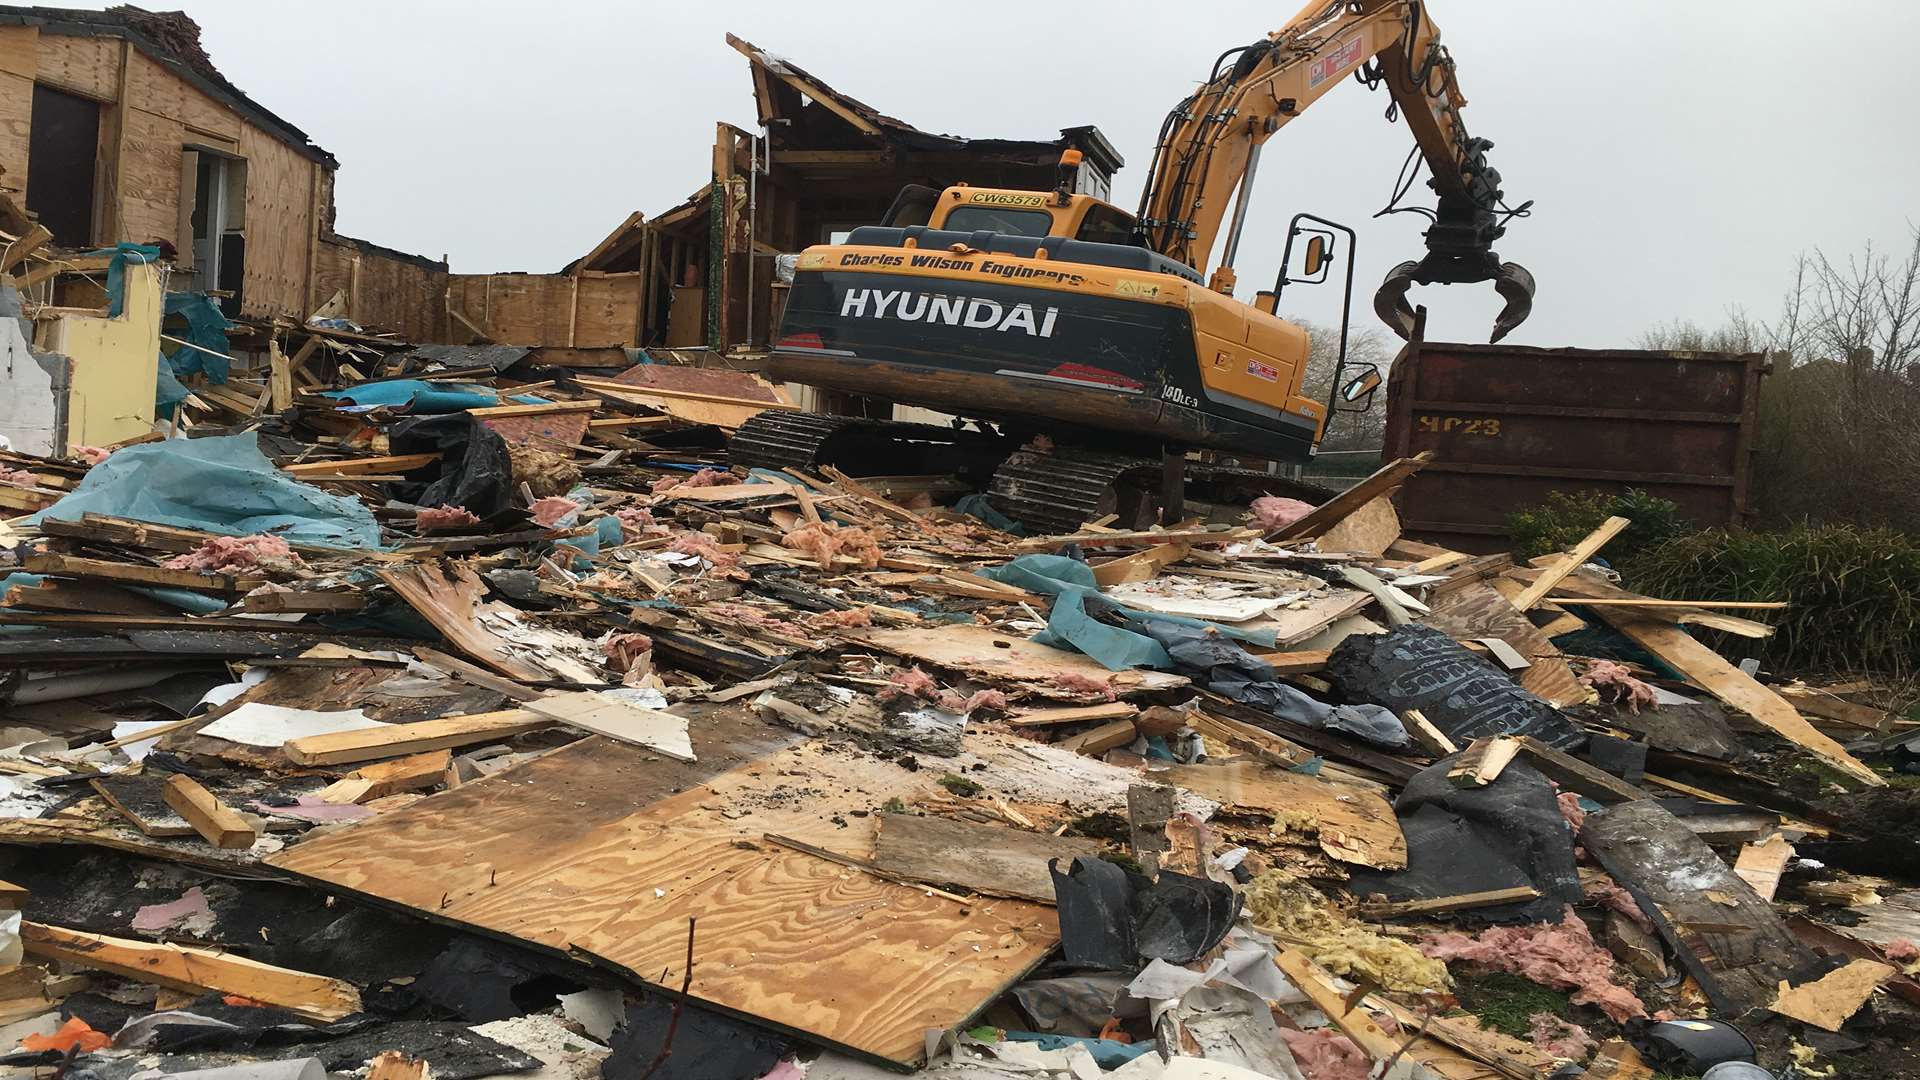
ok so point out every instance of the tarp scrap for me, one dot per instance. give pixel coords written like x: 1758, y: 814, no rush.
x: 221, y: 484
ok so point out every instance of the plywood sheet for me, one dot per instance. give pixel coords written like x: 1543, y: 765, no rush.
x: 1355, y: 825
x: 1478, y: 610
x: 280, y: 187
x: 149, y: 194
x: 16, y: 130
x: 159, y: 91
x: 87, y: 66
x: 588, y: 848
x: 995, y: 859
x: 19, y: 52
x: 399, y: 296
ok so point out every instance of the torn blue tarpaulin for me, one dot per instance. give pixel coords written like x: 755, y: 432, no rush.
x: 123, y: 255
x: 207, y: 329
x: 220, y: 484
x: 977, y: 505
x: 1070, y: 625
x: 421, y: 396
x: 168, y: 393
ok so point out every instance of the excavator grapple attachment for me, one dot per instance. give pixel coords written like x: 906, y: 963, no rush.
x: 1511, y: 280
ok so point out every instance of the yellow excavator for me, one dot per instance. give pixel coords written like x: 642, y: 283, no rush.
x: 1085, y: 350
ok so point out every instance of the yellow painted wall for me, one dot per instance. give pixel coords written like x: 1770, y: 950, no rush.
x: 115, y: 364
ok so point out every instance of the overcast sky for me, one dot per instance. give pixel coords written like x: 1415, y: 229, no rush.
x: 1679, y: 154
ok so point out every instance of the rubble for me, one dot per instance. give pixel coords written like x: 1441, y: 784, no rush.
x: 386, y: 737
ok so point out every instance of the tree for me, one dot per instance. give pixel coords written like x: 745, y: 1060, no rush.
x: 1365, y: 345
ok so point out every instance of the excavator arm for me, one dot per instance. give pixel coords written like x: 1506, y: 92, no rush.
x: 1209, y: 148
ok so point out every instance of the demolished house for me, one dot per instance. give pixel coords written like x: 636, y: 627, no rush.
x: 398, y: 708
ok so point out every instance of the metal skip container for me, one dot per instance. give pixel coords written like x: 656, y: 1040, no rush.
x: 1509, y: 425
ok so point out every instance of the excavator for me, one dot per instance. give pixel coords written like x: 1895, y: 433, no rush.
x: 1084, y: 351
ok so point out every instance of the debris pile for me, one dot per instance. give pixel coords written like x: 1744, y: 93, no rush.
x: 402, y: 729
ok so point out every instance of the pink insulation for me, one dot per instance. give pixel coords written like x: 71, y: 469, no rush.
x: 634, y: 522
x: 1561, y: 956
x: 825, y: 541
x: 1557, y: 1038
x: 21, y: 478
x: 703, y: 478
x: 445, y: 517
x: 1604, y: 892
x: 1273, y: 512
x: 706, y: 547
x: 752, y: 616
x: 92, y: 455
x: 910, y: 683
x: 1325, y: 1054
x: 1902, y: 950
x: 1615, y: 683
x: 835, y: 620
x: 625, y: 650
x: 552, y: 510
x: 1081, y: 684
x: 1570, y: 809
x: 951, y: 701
x: 234, y: 554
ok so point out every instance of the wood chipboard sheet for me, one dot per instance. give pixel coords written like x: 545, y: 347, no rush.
x: 1006, y: 657
x: 996, y: 859
x: 604, y: 849
x: 1356, y: 825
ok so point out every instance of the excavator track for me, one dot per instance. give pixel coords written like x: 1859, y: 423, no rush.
x: 862, y: 447
x: 1055, y: 492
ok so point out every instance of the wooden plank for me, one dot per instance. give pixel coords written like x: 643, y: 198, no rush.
x: 1133, y: 539
x: 1811, y: 702
x: 1483, y: 762
x: 17, y: 252
x: 142, y: 800
x: 1247, y: 739
x: 397, y: 740
x: 376, y: 781
x: 979, y: 651
x: 1079, y: 714
x: 282, y: 603
x: 1760, y: 864
x: 135, y: 574
x: 1352, y: 1020
x: 195, y: 971
x: 1730, y: 605
x: 1832, y: 999
x: 1140, y: 566
x: 391, y: 463
x: 1579, y: 585
x: 1301, y: 662
x: 1327, y: 514
x: 1733, y: 687
x: 1400, y: 909
x: 1575, y: 558
x: 496, y: 412
x: 1576, y: 775
x: 96, y: 597
x: 279, y: 376
x: 1425, y: 735
x: 1101, y: 739
x: 447, y: 599
x: 1725, y: 935
x: 1354, y: 825
x: 594, y: 712
x: 214, y: 820
x: 12, y: 896
x: 476, y: 675
x: 993, y: 859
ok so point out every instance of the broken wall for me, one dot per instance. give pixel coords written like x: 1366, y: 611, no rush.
x: 381, y: 289
x: 31, y: 387
x: 587, y: 310
x: 115, y: 363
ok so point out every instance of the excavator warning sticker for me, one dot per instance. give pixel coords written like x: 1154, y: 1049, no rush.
x: 1262, y: 371
x: 1332, y: 64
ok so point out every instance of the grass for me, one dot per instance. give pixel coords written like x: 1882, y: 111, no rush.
x: 1507, y: 1003
x: 1855, y: 593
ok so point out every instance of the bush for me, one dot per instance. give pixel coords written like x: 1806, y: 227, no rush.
x: 1566, y: 519
x: 1855, y: 592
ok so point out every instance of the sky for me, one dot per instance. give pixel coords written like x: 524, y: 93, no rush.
x: 1679, y: 156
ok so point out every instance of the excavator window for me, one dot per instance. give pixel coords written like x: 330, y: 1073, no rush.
x: 999, y: 219
x: 1106, y: 225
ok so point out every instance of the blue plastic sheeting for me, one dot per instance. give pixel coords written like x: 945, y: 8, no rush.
x: 167, y: 392
x: 1107, y: 1053
x: 420, y: 395
x: 123, y: 254
x: 1069, y: 626
x: 206, y: 327
x: 9, y: 582
x: 221, y: 484
x: 976, y: 505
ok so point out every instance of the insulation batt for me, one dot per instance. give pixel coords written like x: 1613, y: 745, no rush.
x: 824, y: 541
x: 233, y: 554
x: 1606, y: 675
x: 552, y: 510
x: 444, y: 517
x: 92, y: 455
x: 1561, y: 956
x: 1558, y: 1038
x: 703, y: 478
x: 624, y: 650
x: 18, y: 478
x: 706, y: 547
x: 1902, y: 950
x: 912, y: 682
x: 833, y: 620
x: 1325, y: 1054
x: 1082, y: 684
x: 1283, y: 906
x: 1273, y: 512
x: 634, y: 522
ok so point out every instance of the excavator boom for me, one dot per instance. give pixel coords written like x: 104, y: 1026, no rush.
x: 1210, y: 144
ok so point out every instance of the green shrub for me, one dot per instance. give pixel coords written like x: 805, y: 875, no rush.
x: 1855, y: 593
x: 1566, y: 519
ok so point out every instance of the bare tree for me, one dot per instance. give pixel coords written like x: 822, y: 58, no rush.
x: 1365, y: 345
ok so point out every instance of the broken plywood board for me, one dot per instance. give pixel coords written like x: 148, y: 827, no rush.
x: 449, y: 597
x: 1761, y: 864
x: 1005, y: 658
x: 1725, y: 935
x: 195, y: 971
x: 142, y: 802
x: 1829, y: 1001
x: 397, y: 740
x: 796, y: 942
x: 1368, y: 531
x: 1355, y: 825
x: 1734, y: 687
x: 622, y: 721
x: 994, y: 859
x: 1327, y: 514
x: 1477, y: 610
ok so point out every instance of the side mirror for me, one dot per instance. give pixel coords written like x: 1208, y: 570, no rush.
x: 1316, y: 257
x: 1360, y: 388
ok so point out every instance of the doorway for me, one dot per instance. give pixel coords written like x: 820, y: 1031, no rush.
x: 215, y: 196
x: 61, y: 149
